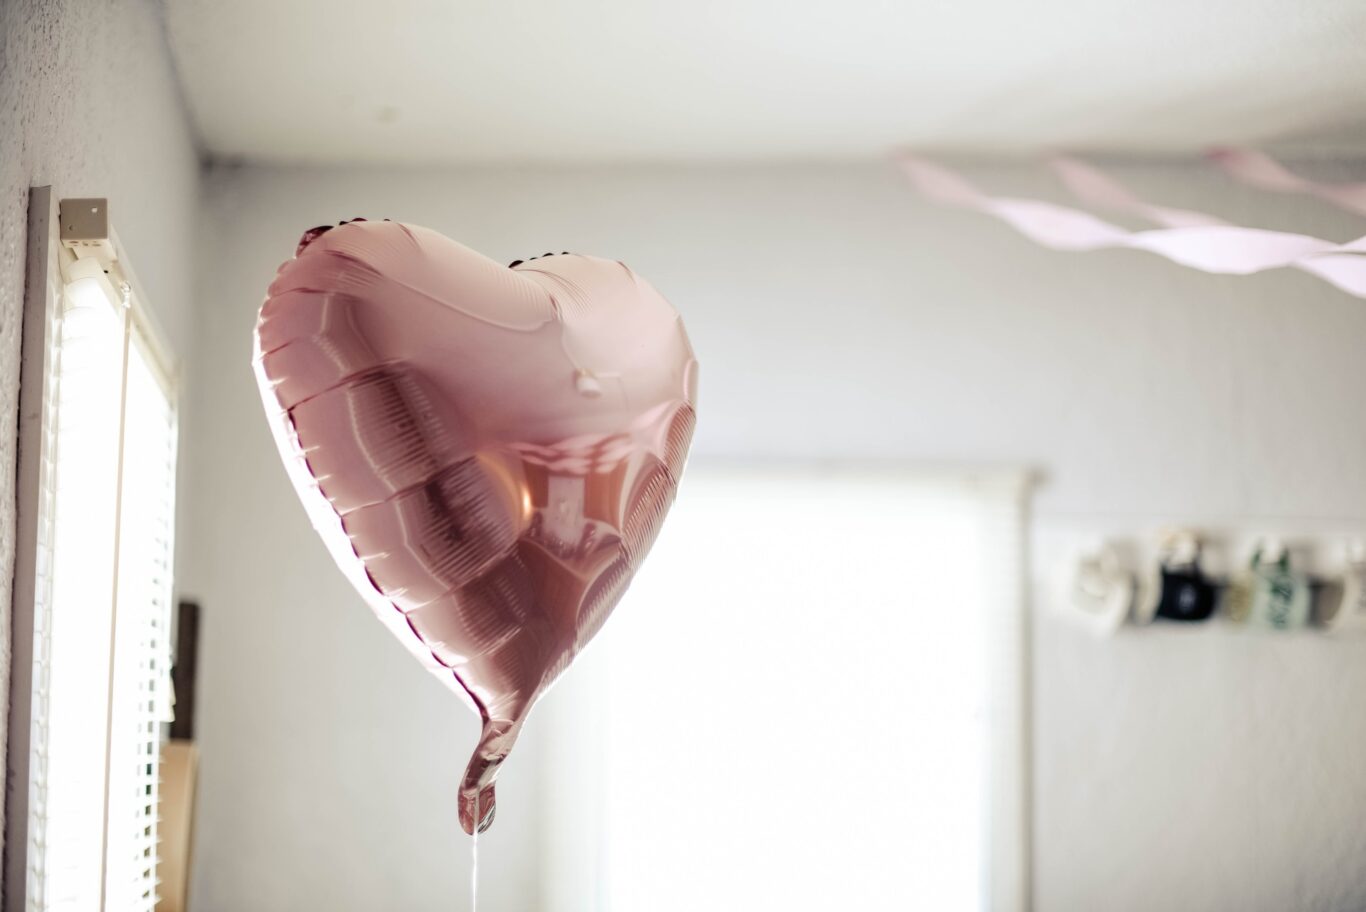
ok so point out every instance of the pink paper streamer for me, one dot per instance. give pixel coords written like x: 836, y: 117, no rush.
x: 1093, y: 187
x: 1264, y: 172
x: 1190, y: 238
x: 1096, y: 188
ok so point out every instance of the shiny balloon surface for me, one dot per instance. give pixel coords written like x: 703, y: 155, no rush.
x: 487, y: 451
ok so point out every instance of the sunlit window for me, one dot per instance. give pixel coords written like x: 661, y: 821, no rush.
x: 101, y: 607
x: 805, y: 702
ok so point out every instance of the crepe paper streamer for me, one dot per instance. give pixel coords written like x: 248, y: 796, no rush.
x: 1096, y: 188
x: 1260, y: 170
x: 1188, y: 238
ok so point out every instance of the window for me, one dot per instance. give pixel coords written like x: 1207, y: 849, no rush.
x: 100, y: 505
x: 810, y: 699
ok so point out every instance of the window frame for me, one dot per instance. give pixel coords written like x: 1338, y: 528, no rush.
x: 35, y: 498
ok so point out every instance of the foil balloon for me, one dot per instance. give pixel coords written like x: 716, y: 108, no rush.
x: 488, y: 451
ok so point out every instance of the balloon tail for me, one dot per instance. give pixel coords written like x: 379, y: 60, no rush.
x: 478, y: 803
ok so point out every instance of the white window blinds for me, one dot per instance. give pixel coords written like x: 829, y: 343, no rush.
x: 101, y: 651
x: 141, y: 671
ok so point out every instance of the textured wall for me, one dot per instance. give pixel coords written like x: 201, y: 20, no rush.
x: 89, y: 104
x: 834, y: 315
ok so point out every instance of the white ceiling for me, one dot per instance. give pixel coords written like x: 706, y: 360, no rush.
x: 611, y: 80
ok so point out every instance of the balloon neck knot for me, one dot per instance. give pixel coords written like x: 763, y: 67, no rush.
x: 480, y: 805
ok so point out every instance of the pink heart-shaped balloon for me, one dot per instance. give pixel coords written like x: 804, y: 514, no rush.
x: 487, y: 451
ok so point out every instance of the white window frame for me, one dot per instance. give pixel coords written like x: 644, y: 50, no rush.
x: 49, y: 262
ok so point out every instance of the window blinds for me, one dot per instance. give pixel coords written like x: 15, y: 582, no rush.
x: 141, y: 670
x: 101, y: 651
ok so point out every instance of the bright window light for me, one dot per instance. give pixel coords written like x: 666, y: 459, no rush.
x: 101, y: 654
x: 77, y: 686
x: 795, y: 705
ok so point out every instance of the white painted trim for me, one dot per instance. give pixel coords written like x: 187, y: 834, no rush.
x: 147, y: 329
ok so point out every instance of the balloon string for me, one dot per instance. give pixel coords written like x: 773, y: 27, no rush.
x: 474, y: 859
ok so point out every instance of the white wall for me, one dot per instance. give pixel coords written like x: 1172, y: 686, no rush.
x: 833, y: 316
x: 89, y: 104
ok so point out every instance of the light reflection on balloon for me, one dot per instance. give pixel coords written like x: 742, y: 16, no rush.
x: 487, y: 451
